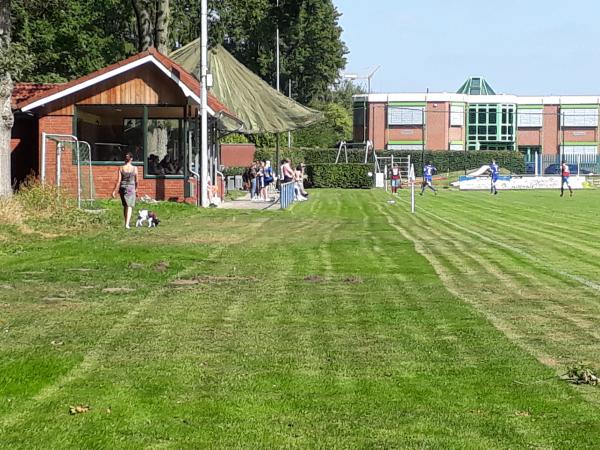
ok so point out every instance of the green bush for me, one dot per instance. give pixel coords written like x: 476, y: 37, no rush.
x: 347, y: 176
x: 232, y: 171
x: 443, y: 160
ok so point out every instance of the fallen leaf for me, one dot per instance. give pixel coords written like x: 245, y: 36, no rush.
x: 57, y: 343
x: 79, y: 409
x: 136, y: 266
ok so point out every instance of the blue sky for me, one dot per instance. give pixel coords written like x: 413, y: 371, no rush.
x: 526, y: 47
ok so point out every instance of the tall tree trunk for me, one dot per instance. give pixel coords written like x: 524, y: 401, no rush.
x: 161, y: 27
x: 6, y: 115
x: 144, y: 24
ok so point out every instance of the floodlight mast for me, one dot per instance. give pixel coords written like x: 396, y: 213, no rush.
x: 204, y: 104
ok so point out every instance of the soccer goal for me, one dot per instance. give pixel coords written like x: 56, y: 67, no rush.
x: 73, y: 166
x: 383, y: 166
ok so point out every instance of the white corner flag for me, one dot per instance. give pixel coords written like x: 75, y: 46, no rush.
x: 411, y: 180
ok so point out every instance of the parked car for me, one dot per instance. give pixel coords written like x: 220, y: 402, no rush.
x: 529, y: 168
x: 554, y: 169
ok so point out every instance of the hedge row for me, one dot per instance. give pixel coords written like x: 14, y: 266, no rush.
x: 347, y: 176
x: 443, y: 160
x: 232, y: 171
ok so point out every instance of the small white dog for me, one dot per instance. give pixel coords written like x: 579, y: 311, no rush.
x: 149, y: 216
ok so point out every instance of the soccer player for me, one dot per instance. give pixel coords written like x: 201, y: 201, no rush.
x: 565, y: 174
x: 395, y: 175
x: 495, y: 173
x: 428, y: 172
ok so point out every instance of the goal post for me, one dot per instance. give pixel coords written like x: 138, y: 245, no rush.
x: 81, y: 158
x: 411, y: 180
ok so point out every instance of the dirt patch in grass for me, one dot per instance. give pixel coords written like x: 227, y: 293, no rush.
x: 162, y: 266
x: 211, y: 279
x: 117, y: 290
x: 314, y: 279
x: 353, y: 280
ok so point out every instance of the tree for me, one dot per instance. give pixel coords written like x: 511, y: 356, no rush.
x: 312, y: 52
x: 6, y: 87
x: 336, y: 127
x: 152, y: 18
x: 71, y: 38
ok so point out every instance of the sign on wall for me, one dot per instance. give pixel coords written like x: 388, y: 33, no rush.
x: 405, y: 115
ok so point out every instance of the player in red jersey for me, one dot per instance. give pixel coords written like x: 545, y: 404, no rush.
x: 565, y: 173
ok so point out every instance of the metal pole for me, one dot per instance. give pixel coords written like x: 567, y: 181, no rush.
x: 290, y: 96
x: 43, y: 170
x: 411, y: 176
x: 204, y: 104
x: 58, y: 157
x: 78, y: 177
x: 277, y: 157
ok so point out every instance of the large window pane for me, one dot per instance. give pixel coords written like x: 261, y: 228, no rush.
x: 165, y: 150
x: 111, y: 131
x: 405, y: 115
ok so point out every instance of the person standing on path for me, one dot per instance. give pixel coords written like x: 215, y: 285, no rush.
x: 127, y: 186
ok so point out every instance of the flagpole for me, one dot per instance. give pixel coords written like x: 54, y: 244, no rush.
x: 204, y: 105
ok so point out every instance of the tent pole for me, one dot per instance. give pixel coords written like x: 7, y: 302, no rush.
x: 277, y: 159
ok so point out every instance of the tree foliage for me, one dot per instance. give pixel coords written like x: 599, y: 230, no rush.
x: 70, y: 38
x: 312, y: 52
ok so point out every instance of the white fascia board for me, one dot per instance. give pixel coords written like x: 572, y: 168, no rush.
x: 579, y: 99
x: 465, y: 98
x: 113, y: 73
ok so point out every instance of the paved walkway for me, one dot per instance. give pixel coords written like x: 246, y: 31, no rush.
x: 246, y: 203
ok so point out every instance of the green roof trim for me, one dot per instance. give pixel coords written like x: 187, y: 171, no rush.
x: 476, y: 86
x: 580, y: 106
x: 579, y: 144
x: 530, y: 106
x: 407, y: 104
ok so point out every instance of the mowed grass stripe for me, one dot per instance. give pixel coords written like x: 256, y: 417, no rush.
x: 554, y: 317
x: 492, y: 285
x: 510, y: 243
x: 534, y: 235
x: 261, y: 357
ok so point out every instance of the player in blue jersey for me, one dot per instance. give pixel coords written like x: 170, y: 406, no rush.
x: 495, y: 174
x: 428, y: 171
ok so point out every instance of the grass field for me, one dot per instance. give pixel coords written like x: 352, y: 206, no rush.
x: 345, y: 322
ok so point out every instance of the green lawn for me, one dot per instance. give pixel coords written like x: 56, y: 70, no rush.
x: 345, y: 322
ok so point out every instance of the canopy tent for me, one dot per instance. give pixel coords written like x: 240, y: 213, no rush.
x: 261, y: 108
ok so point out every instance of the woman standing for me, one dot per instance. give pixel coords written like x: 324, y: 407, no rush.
x: 127, y: 186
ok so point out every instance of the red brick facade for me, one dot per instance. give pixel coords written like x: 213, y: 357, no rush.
x: 437, y: 126
x: 144, y: 84
x: 237, y: 155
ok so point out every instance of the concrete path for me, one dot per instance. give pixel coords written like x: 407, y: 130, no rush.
x: 246, y: 203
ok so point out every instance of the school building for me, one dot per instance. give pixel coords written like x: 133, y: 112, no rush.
x: 476, y: 118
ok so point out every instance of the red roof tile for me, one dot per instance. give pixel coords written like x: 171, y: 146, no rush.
x: 24, y: 91
x: 28, y: 93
